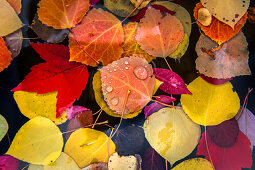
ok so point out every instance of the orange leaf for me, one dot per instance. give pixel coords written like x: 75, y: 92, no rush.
x: 159, y: 35
x: 130, y: 46
x: 98, y: 37
x: 217, y: 30
x: 5, y: 55
x: 62, y: 14
x: 16, y: 4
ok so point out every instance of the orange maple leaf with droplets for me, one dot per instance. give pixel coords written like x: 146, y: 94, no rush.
x: 5, y: 55
x: 130, y: 46
x: 98, y: 37
x: 62, y: 14
x: 132, y: 74
x: 217, y: 30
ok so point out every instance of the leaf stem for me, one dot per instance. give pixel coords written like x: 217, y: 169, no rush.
x: 168, y: 64
x: 177, y: 107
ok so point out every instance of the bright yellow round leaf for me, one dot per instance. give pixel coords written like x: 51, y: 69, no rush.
x: 87, y: 146
x: 171, y: 133
x: 194, y: 164
x: 32, y: 104
x: 39, y: 141
x: 210, y: 104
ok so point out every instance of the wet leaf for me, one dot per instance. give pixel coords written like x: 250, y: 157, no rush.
x: 3, y: 127
x: 195, y: 164
x: 31, y: 143
x: 62, y: 14
x: 236, y: 157
x: 172, y: 82
x: 205, y: 107
x: 87, y: 146
x: 121, y: 8
x: 74, y: 110
x: 10, y: 21
x: 230, y: 61
x: 14, y: 42
x: 16, y: 4
x: 56, y: 74
x: 98, y: 38
x: 224, y: 134
x: 171, y: 133
x: 217, y: 30
x: 155, y: 36
x: 97, y: 166
x: 152, y: 160
x: 214, y: 81
x: 8, y: 162
x: 5, y: 55
x: 124, y: 162
x: 32, y: 105
x: 128, y: 73
x: 228, y: 12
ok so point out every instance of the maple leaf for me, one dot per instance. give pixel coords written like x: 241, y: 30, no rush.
x: 62, y: 14
x: 57, y: 74
x: 5, y: 55
x: 98, y: 37
x: 217, y: 30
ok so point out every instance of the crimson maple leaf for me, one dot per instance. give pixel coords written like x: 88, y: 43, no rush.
x: 56, y: 74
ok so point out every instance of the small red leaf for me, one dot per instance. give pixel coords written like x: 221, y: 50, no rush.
x: 214, y: 81
x: 172, y: 82
x: 74, y: 110
x: 8, y: 162
x: 152, y: 160
x: 165, y: 99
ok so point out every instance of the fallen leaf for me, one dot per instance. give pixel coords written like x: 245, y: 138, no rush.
x: 16, y: 4
x: 171, y: 133
x: 132, y: 74
x: 74, y: 110
x: 97, y: 166
x: 217, y: 30
x: 214, y: 81
x: 172, y: 82
x: 205, y: 107
x: 122, y: 8
x: 87, y: 146
x: 39, y: 141
x: 98, y: 37
x: 236, y: 157
x: 10, y: 21
x: 57, y: 74
x: 155, y: 36
x: 5, y: 55
x: 251, y: 15
x: 14, y: 42
x: 62, y: 14
x: 246, y: 124
x: 152, y: 160
x: 230, y: 61
x: 32, y: 105
x: 228, y: 11
x: 3, y: 127
x: 93, y: 3
x: 124, y: 162
x: 194, y: 164
x: 181, y: 49
x: 8, y: 162
x: 140, y: 3
x: 224, y: 134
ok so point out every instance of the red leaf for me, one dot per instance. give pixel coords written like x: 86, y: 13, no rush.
x: 214, y: 81
x: 8, y: 162
x: 142, y: 12
x: 56, y: 74
x: 93, y: 3
x: 172, y: 82
x: 236, y: 157
x: 152, y: 160
x: 74, y: 110
x: 224, y: 134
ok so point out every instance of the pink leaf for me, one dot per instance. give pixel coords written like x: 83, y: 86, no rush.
x: 8, y: 162
x: 74, y: 110
x: 165, y: 99
x: 214, y: 80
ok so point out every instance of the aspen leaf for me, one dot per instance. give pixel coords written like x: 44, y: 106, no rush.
x: 194, y: 164
x: 171, y: 133
x: 8, y: 162
x: 32, y: 104
x: 88, y: 146
x: 124, y: 162
x: 122, y: 8
x: 152, y: 160
x: 3, y: 127
x: 140, y: 3
x: 5, y: 55
x: 227, y: 11
x: 230, y: 60
x: 205, y: 107
x: 39, y: 141
x: 155, y: 36
x: 16, y: 4
x: 10, y: 21
x: 14, y: 42
x: 62, y: 14
x: 98, y: 37
x: 97, y: 166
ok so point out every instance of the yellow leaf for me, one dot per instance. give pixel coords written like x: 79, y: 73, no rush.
x: 181, y: 49
x: 123, y: 162
x: 210, y: 104
x: 32, y: 104
x: 64, y: 162
x: 62, y: 14
x: 87, y: 146
x: 171, y: 133
x: 10, y: 21
x: 39, y: 141
x: 194, y: 164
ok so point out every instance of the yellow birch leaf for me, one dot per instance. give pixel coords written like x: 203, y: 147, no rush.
x: 210, y: 104
x: 194, y: 164
x: 39, y: 141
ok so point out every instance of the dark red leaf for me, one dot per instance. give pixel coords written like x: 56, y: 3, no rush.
x: 224, y: 134
x: 172, y: 82
x: 56, y: 74
x: 235, y: 158
x: 93, y: 3
x: 8, y: 162
x: 165, y: 99
x: 74, y: 110
x: 214, y: 80
x: 152, y: 160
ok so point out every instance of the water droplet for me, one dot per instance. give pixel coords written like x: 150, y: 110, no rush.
x: 114, y: 101
x: 107, y: 69
x: 105, y: 77
x: 126, y: 62
x: 140, y: 72
x: 110, y: 82
x: 115, y: 69
x: 109, y: 89
x: 126, y: 68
